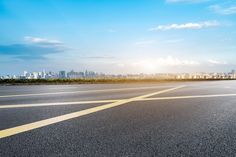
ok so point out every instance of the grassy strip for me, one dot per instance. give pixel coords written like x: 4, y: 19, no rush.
x: 94, y: 81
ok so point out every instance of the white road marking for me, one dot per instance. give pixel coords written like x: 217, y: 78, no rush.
x: 56, y: 104
x: 114, y: 100
x: 190, y: 97
x: 27, y: 127
x: 73, y: 92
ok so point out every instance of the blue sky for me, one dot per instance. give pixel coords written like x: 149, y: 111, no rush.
x: 117, y: 36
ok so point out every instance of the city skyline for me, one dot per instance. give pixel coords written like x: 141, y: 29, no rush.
x: 87, y: 74
x: 121, y: 37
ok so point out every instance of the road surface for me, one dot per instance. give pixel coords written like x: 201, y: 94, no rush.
x: 168, y: 119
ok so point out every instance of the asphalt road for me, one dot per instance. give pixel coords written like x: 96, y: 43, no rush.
x: 168, y: 119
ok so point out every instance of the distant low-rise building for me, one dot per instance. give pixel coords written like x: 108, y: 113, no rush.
x: 62, y: 74
x: 75, y: 75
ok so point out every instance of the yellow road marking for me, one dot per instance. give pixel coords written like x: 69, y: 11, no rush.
x: 46, y: 122
x: 73, y: 92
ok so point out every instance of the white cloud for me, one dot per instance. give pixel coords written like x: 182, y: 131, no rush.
x: 216, y: 62
x: 223, y: 10
x: 153, y: 65
x: 42, y: 41
x: 171, y: 61
x: 186, y: 1
x: 200, y: 25
x: 165, y: 61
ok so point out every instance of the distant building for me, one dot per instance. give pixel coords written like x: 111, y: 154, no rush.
x: 75, y: 75
x: 25, y: 73
x: 89, y: 74
x: 35, y: 75
x: 43, y: 74
x: 62, y: 74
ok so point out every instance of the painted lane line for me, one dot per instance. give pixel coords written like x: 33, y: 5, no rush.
x: 189, y: 97
x: 73, y: 92
x: 57, y: 104
x: 46, y: 122
x: 110, y: 101
x: 156, y: 93
x: 60, y: 103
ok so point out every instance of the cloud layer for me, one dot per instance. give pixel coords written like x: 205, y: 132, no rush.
x: 223, y: 10
x: 35, y: 48
x: 200, y: 25
x: 42, y: 41
x: 216, y: 62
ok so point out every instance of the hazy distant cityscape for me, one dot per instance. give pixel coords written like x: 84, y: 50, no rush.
x: 94, y: 75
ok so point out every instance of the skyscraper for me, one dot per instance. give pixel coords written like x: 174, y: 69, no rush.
x: 62, y: 74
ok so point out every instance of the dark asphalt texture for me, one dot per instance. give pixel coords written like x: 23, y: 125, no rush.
x: 184, y: 127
